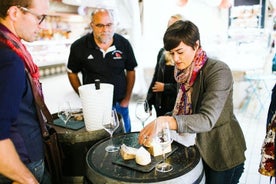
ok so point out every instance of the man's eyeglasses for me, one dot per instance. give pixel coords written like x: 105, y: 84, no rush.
x: 40, y: 18
x: 101, y: 26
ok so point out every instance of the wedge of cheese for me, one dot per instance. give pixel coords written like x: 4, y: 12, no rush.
x: 142, y: 156
x: 155, y: 149
x: 127, y: 152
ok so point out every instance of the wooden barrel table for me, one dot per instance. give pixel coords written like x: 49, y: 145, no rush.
x: 74, y: 145
x: 108, y: 168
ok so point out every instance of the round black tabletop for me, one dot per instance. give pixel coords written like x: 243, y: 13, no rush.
x: 106, y: 167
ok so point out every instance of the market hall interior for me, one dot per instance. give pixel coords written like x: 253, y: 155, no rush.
x: 231, y: 34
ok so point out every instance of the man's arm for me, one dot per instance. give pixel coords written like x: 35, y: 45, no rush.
x: 74, y: 81
x: 11, y: 166
x: 130, y: 78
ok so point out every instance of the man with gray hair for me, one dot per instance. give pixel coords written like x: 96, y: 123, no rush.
x: 105, y: 55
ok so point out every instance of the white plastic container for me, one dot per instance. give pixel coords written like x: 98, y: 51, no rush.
x: 95, y: 102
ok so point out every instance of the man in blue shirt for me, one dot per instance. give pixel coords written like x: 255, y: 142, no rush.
x: 107, y: 56
x: 21, y: 146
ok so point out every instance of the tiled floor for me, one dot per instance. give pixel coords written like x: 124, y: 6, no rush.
x: 254, y: 131
x: 252, y: 121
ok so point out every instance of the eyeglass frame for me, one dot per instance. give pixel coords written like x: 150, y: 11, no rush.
x: 41, y: 18
x: 101, y: 26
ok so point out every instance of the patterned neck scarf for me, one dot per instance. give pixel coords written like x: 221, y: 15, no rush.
x: 13, y: 42
x: 186, y: 79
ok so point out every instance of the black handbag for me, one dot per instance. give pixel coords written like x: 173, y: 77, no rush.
x: 53, y: 155
x: 53, y: 151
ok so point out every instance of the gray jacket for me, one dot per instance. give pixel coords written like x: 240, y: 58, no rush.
x: 219, y: 139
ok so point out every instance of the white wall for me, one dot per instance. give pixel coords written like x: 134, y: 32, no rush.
x: 211, y: 21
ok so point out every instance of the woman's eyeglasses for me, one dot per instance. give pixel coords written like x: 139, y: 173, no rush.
x: 40, y: 18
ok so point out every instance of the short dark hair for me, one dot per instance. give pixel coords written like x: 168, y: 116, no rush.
x: 6, y: 4
x: 181, y: 31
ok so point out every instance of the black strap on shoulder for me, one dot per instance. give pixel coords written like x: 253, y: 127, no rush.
x: 43, y: 112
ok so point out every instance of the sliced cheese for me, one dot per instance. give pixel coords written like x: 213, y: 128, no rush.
x: 127, y: 152
x: 155, y: 149
x: 142, y: 156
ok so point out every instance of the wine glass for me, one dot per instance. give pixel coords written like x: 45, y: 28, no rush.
x: 142, y: 111
x: 163, y: 138
x: 110, y: 124
x: 65, y: 113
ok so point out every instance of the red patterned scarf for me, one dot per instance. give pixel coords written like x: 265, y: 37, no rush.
x: 186, y: 79
x: 13, y: 42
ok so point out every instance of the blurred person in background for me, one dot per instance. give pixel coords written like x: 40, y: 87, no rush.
x: 162, y: 90
x: 107, y: 56
x: 267, y: 164
x: 21, y: 146
x: 272, y: 106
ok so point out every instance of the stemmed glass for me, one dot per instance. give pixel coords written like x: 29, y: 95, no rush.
x: 142, y: 111
x: 110, y: 124
x: 65, y: 113
x: 163, y: 138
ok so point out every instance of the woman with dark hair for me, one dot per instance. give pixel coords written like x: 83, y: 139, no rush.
x: 204, y: 106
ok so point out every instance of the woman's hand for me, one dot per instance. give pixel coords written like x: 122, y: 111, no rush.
x: 147, y: 133
x: 158, y: 87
